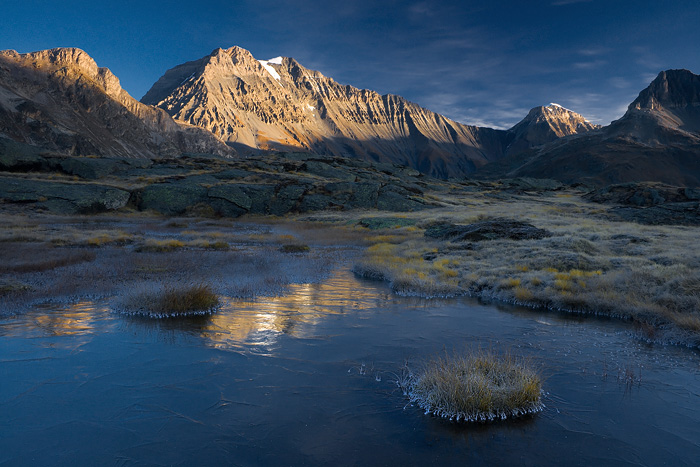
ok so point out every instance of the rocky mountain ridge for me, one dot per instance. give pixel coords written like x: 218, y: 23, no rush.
x: 59, y: 99
x: 658, y: 139
x: 279, y: 104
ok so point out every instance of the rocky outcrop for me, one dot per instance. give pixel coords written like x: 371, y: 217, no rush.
x: 60, y: 100
x: 62, y: 198
x: 208, y: 185
x: 651, y: 203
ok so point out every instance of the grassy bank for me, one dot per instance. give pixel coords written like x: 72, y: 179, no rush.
x: 589, y: 264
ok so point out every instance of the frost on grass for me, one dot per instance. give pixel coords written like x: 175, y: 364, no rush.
x: 170, y: 301
x: 477, y: 386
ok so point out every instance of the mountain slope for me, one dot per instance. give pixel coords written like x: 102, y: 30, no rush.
x: 279, y: 104
x: 60, y: 100
x: 658, y: 139
x: 546, y: 124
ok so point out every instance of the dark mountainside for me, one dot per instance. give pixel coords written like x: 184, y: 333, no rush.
x: 658, y: 139
x: 60, y: 100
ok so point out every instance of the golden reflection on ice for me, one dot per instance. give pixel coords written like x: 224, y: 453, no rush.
x: 77, y: 318
x: 261, y: 321
x: 56, y: 320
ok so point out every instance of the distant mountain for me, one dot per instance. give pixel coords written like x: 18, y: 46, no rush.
x: 546, y: 124
x: 60, y: 100
x: 279, y: 104
x: 658, y: 139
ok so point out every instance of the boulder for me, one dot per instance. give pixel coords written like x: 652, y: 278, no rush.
x: 172, y: 197
x: 231, y: 193
x: 327, y: 171
x: 260, y: 197
x: 89, y: 168
x: 63, y: 198
x: 286, y: 199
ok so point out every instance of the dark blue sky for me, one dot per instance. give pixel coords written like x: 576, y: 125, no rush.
x: 478, y: 62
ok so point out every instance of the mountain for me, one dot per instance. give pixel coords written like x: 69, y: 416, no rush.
x: 546, y: 124
x: 60, y: 100
x: 278, y: 104
x: 658, y: 139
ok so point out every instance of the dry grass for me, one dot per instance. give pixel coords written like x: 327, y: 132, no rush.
x: 27, y: 258
x: 54, y: 264
x: 161, y: 246
x: 476, y: 386
x: 591, y: 264
x: 172, y: 301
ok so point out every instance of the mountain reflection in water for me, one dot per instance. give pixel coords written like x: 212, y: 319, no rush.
x: 242, y: 323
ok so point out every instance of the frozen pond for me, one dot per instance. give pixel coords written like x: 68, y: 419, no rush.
x: 306, y: 379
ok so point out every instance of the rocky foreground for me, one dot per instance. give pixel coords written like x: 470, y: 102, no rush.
x: 208, y: 185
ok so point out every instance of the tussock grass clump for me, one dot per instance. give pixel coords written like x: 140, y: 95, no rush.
x: 172, y: 301
x: 476, y: 386
x: 294, y: 248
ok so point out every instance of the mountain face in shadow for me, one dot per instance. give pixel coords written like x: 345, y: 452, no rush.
x: 658, y: 139
x: 60, y: 100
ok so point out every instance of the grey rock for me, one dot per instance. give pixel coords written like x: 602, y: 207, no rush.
x: 64, y: 198
x: 395, y: 198
x: 172, y: 198
x: 532, y: 184
x: 287, y: 199
x: 327, y: 171
x: 260, y: 197
x: 376, y: 223
x: 89, y: 168
x: 315, y: 203
x: 231, y: 193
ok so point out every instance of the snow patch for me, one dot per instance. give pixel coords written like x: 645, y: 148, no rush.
x: 272, y: 71
x: 310, y: 107
x: 188, y: 78
x: 275, y: 61
x: 554, y: 105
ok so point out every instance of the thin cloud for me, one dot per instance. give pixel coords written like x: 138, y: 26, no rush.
x: 589, y: 65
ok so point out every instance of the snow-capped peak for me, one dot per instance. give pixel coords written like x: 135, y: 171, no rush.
x: 275, y: 61
x: 554, y: 105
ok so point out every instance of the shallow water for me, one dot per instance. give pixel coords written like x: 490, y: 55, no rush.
x: 308, y: 379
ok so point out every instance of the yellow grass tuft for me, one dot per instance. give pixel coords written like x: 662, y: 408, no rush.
x: 477, y: 386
